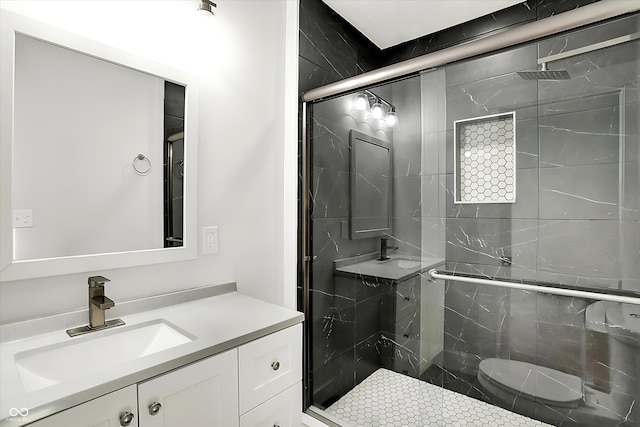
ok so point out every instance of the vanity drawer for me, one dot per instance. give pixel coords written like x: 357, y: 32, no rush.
x: 268, y: 366
x: 282, y: 410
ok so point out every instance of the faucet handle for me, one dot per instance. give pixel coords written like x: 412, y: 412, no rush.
x: 95, y: 281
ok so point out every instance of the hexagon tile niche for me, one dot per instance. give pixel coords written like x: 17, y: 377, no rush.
x: 485, y: 159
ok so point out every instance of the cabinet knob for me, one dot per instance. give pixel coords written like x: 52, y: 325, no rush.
x: 275, y: 365
x: 154, y: 408
x: 126, y: 418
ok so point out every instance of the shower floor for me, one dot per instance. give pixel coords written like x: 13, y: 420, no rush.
x: 389, y: 399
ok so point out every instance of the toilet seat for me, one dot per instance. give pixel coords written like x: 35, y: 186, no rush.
x: 536, y: 383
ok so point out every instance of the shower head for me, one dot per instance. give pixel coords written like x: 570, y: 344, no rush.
x: 544, y: 74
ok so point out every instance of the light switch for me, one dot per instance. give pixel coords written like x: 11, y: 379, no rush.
x: 22, y: 218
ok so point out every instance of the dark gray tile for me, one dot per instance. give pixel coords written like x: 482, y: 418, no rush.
x: 582, y: 37
x: 328, y: 148
x: 630, y: 256
x: 598, y: 242
x: 561, y: 348
x: 561, y: 310
x: 527, y: 146
x: 327, y: 245
x: 430, y: 194
x: 582, y: 138
x: 368, y: 358
x: 311, y: 76
x: 489, y: 66
x: 407, y: 235
x: 367, y: 318
x: 331, y: 381
x: 332, y: 335
x: 488, y: 241
x: 631, y: 191
x: 579, y: 192
x: 492, y: 95
x: 330, y: 189
x: 406, y: 196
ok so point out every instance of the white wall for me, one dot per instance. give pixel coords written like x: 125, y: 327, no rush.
x: 246, y: 57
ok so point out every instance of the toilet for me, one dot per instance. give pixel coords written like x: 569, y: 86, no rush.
x: 511, y: 379
x: 556, y: 397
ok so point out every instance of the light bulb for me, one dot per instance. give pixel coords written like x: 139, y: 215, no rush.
x: 377, y: 111
x: 392, y: 118
x: 361, y: 103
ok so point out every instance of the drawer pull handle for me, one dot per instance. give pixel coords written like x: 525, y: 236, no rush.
x: 407, y: 299
x: 154, y: 408
x: 126, y: 418
x: 276, y: 425
x: 275, y: 365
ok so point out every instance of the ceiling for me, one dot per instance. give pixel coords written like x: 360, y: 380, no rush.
x: 390, y: 22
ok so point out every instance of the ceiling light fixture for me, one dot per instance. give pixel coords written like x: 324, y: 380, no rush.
x: 206, y: 6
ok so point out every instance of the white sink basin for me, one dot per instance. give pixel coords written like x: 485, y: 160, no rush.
x: 405, y: 263
x: 45, y: 366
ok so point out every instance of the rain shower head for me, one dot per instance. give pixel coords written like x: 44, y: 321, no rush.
x: 544, y: 74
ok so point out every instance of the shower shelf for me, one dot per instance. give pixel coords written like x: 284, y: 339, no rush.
x: 485, y: 159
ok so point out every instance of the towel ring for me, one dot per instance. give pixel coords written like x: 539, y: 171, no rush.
x: 145, y: 169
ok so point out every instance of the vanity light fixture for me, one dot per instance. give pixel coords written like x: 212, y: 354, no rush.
x: 361, y: 109
x: 206, y: 6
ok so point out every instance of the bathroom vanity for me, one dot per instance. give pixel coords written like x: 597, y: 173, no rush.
x: 397, y: 283
x: 204, y: 357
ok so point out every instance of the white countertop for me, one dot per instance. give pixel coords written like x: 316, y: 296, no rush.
x: 397, y: 267
x: 218, y: 323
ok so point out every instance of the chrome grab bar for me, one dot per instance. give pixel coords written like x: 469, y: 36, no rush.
x: 535, y: 288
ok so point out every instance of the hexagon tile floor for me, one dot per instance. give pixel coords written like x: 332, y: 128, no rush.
x: 389, y: 399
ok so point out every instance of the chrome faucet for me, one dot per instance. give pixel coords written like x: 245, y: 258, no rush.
x: 98, y: 303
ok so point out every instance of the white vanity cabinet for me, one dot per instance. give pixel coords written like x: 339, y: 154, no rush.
x: 255, y: 384
x: 203, y: 394
x: 105, y: 411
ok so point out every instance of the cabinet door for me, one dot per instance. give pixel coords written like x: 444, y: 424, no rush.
x: 105, y: 411
x: 282, y: 410
x: 204, y: 394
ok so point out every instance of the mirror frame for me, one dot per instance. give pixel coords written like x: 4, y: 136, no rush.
x: 10, y: 269
x: 356, y: 232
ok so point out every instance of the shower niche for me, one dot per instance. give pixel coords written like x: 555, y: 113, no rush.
x: 485, y: 159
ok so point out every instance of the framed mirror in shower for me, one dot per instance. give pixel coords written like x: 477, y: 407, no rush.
x: 98, y: 155
x: 371, y: 186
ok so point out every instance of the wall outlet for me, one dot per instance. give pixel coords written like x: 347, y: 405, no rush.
x: 22, y: 218
x: 210, y: 240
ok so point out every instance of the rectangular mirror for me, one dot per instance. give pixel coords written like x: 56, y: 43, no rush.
x: 371, y: 186
x: 98, y: 155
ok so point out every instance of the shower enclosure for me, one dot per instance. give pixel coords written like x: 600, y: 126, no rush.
x: 508, y: 208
